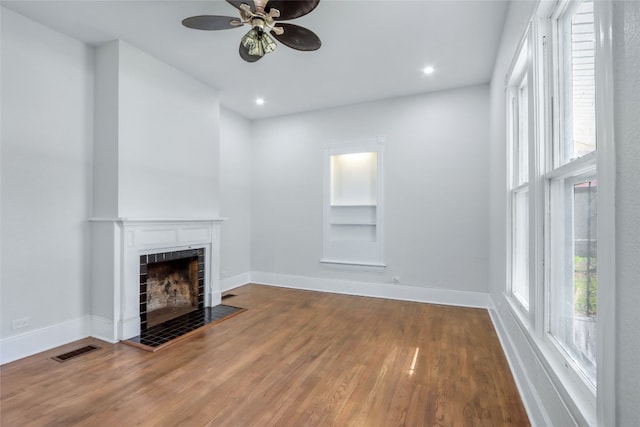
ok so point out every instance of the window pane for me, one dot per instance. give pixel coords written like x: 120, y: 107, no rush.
x: 520, y: 274
x: 574, y: 287
x: 523, y: 132
x: 577, y: 81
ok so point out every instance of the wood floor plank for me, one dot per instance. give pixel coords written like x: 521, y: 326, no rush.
x: 294, y: 358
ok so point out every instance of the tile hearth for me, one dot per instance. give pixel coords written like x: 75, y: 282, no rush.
x: 169, y: 332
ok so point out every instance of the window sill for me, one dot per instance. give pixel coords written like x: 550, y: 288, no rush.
x: 356, y: 265
x: 578, y: 397
x: 518, y: 310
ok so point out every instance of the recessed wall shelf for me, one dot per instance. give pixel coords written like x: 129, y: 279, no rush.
x: 353, y: 205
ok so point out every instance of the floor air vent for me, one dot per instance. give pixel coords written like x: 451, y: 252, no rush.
x: 228, y: 296
x: 75, y: 353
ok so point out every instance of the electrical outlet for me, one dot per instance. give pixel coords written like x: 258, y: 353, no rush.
x: 23, y: 322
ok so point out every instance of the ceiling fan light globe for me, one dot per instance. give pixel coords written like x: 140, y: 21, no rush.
x: 250, y: 35
x: 256, y: 50
x: 268, y: 44
x: 258, y: 43
x: 250, y: 39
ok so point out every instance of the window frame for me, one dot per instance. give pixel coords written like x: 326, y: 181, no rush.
x: 575, y: 171
x: 558, y: 168
x: 519, y: 72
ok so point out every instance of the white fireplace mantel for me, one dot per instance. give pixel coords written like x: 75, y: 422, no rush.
x: 117, y: 244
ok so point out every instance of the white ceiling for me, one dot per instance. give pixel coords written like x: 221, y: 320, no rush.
x: 370, y: 49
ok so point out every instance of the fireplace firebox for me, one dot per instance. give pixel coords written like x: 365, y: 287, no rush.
x: 171, y: 285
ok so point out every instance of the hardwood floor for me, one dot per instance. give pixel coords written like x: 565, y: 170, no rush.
x: 294, y: 358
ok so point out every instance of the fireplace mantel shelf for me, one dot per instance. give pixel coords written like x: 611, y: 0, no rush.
x: 154, y: 220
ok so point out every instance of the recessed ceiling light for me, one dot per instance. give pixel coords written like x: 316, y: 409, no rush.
x: 428, y: 70
x: 259, y: 101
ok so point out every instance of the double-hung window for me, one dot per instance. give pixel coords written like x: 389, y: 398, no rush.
x: 519, y: 137
x: 572, y: 189
x: 561, y: 186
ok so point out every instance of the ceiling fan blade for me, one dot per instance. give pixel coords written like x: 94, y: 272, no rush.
x: 210, y: 22
x: 291, y: 9
x: 244, y: 54
x: 297, y: 37
x: 238, y: 3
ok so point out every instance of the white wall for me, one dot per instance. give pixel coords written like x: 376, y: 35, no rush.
x: 105, y: 144
x: 167, y: 137
x: 435, y: 185
x: 235, y: 199
x: 47, y: 131
x: 168, y: 142
x: 627, y: 134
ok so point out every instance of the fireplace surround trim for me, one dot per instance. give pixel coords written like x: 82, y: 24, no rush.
x: 117, y: 244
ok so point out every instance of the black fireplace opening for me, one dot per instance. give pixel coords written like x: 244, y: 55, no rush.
x: 171, y: 285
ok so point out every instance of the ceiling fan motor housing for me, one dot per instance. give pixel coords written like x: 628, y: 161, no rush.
x: 258, y: 24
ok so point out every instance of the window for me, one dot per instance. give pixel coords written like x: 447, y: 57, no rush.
x: 518, y: 92
x: 561, y: 211
x: 572, y: 202
x: 353, y: 206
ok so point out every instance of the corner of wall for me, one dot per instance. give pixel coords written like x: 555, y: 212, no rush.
x: 233, y: 282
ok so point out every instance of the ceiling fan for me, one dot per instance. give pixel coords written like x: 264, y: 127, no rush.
x: 264, y: 17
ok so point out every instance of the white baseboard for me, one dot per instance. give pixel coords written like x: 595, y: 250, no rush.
x: 35, y: 341
x: 376, y: 290
x: 129, y: 328
x: 232, y: 282
x: 530, y: 398
x: 215, y: 299
x: 103, y: 329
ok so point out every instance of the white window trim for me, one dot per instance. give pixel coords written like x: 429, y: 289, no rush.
x: 606, y: 326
